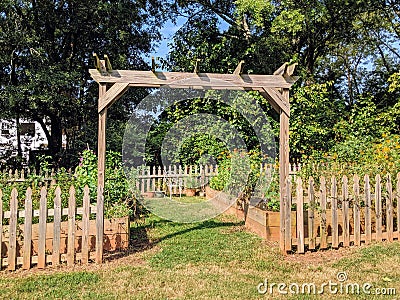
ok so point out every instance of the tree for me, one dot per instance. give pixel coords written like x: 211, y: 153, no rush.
x: 46, y: 50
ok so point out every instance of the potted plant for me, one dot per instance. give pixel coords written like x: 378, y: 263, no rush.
x: 191, y: 185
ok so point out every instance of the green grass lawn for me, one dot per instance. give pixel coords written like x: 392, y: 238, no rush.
x: 216, y: 259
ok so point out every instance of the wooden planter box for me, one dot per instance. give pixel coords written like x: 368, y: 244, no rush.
x: 266, y: 224
x: 116, y: 237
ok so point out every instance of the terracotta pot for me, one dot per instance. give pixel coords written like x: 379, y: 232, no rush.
x: 148, y: 194
x: 190, y: 192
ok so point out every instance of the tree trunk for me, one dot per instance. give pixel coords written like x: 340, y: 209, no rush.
x: 19, y: 148
x: 55, y: 142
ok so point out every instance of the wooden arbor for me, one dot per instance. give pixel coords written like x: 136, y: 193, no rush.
x: 275, y: 88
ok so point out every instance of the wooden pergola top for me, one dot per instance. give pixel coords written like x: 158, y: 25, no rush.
x: 187, y: 80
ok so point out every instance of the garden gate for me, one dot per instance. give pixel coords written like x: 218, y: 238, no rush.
x: 275, y: 88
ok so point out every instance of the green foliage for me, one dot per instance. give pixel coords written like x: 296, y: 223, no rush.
x: 357, y: 156
x: 118, y: 199
x: 313, y: 118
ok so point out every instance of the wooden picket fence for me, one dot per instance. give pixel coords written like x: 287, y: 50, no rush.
x: 154, y: 178
x: 25, y: 244
x: 20, y: 175
x: 341, y: 214
x: 150, y: 177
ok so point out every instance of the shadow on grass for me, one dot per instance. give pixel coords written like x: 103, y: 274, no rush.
x: 139, y: 240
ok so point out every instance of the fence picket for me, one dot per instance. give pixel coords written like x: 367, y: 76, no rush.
x: 311, y: 208
x: 389, y: 208
x: 356, y: 208
x: 1, y: 228
x: 12, y: 246
x: 378, y: 208
x: 324, y: 233
x: 71, y: 227
x: 42, y: 229
x: 398, y: 204
x: 300, y: 216
x: 85, y: 225
x: 55, y: 259
x: 368, y: 225
x: 27, y: 230
x: 334, y: 206
x: 345, y: 203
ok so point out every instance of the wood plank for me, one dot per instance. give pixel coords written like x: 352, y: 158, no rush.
x: 57, y: 227
x: 12, y: 248
x: 311, y: 214
x: 85, y: 225
x: 42, y: 229
x: 368, y: 204
x: 1, y: 227
x: 389, y: 208
x: 112, y: 95
x: 398, y: 202
x: 288, y: 229
x: 283, y: 171
x: 335, y: 225
x: 346, y: 219
x: 300, y: 216
x: 324, y: 233
x: 50, y: 212
x: 34, y: 258
x: 378, y: 207
x: 27, y: 252
x: 101, y: 150
x: 71, y: 227
x: 356, y: 208
x: 190, y: 80
x: 278, y: 99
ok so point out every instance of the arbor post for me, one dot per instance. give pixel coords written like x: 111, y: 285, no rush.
x: 101, y: 164
x: 285, y: 206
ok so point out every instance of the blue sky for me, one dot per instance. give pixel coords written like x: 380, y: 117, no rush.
x: 167, y: 32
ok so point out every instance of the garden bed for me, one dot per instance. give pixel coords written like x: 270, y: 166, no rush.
x: 266, y: 224
x: 116, y: 238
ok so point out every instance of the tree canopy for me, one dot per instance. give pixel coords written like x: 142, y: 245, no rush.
x: 346, y: 50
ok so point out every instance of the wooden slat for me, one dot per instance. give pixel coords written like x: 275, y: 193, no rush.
x: 50, y: 212
x: 311, y: 214
x: 42, y: 229
x: 101, y: 165
x: 300, y: 216
x: 85, y: 225
x: 277, y: 99
x: 57, y: 227
x: 389, y: 208
x: 335, y: 227
x: 368, y: 204
x: 27, y: 252
x: 288, y: 233
x: 398, y: 202
x: 12, y: 249
x: 1, y: 227
x: 378, y: 207
x: 357, y: 225
x: 324, y: 233
x: 189, y: 80
x: 112, y: 95
x: 71, y: 227
x: 346, y: 220
x: 283, y: 174
x: 34, y: 258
